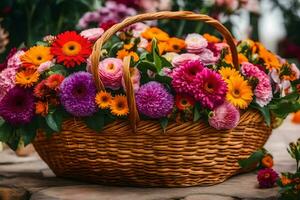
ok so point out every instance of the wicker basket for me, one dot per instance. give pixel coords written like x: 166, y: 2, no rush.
x: 137, y: 152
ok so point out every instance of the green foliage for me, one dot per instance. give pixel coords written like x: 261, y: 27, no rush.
x: 253, y: 160
x: 96, y: 122
x: 164, y: 123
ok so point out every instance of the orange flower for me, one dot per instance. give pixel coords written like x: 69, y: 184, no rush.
x: 41, y: 108
x: 27, y: 78
x: 271, y: 61
x: 155, y: 32
x: 296, y: 118
x: 242, y: 58
x: 175, y: 45
x: 211, y: 38
x: 184, y: 102
x: 285, y: 180
x: 128, y: 46
x: 162, y: 46
x: 267, y: 161
x: 123, y: 53
x: 35, y: 56
x: 54, y: 81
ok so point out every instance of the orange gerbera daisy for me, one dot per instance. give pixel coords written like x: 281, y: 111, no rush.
x: 41, y: 108
x: 271, y: 60
x: 54, y: 81
x: 35, y: 56
x: 155, y: 32
x: 103, y: 99
x: 71, y: 48
x: 211, y: 38
x: 123, y: 53
x: 175, y: 45
x: 119, y: 106
x: 27, y: 77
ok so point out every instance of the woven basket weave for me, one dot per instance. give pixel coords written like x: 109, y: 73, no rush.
x: 136, y: 152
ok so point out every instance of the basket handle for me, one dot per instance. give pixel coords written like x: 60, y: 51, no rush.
x: 186, y: 15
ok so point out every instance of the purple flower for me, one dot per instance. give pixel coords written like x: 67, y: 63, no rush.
x: 17, y: 107
x: 225, y: 116
x: 185, y: 74
x: 209, y: 88
x: 77, y: 94
x: 267, y: 178
x: 153, y: 100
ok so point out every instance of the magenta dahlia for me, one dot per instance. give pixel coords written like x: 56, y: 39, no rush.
x: 153, y: 100
x: 225, y: 116
x: 17, y: 107
x: 267, y: 177
x: 209, y: 88
x: 184, y: 75
x: 77, y: 94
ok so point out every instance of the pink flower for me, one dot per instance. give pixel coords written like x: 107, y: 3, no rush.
x: 231, y: 4
x: 135, y: 77
x: 92, y: 34
x: 207, y: 57
x: 267, y: 178
x: 183, y: 58
x: 15, y: 61
x: 110, y: 72
x: 195, y: 43
x: 45, y: 66
x: 209, y: 88
x: 7, y: 80
x: 295, y: 69
x: 263, y: 90
x: 225, y: 116
x: 284, y: 87
x: 185, y: 74
x: 137, y: 29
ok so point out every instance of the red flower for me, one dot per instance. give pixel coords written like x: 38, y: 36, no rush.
x: 184, y: 101
x: 71, y: 48
x: 54, y: 81
x: 41, y: 90
x: 107, y: 25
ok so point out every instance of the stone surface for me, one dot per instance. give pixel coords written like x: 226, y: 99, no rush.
x: 31, y: 179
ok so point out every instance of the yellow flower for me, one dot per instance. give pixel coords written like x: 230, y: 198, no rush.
x: 239, y: 92
x: 123, y: 53
x: 27, y: 77
x: 103, y: 99
x: 227, y: 72
x: 35, y: 56
x: 155, y: 32
x: 119, y: 106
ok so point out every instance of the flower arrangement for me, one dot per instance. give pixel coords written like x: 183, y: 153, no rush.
x: 174, y: 79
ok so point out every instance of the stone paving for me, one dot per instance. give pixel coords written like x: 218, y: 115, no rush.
x: 29, y: 178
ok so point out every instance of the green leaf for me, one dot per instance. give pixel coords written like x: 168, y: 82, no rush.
x: 164, y: 123
x: 95, y: 122
x: 114, y: 49
x: 197, y: 112
x: 6, y: 131
x: 143, y: 66
x: 2, y: 121
x: 253, y: 159
x: 54, y: 120
x: 265, y: 111
x: 163, y: 79
x: 14, y: 141
x: 42, y: 43
x: 156, y: 57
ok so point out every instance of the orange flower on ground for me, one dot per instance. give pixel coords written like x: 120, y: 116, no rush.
x: 54, y: 81
x: 175, y: 45
x: 155, y: 32
x: 285, y: 180
x: 27, y: 78
x: 103, y: 99
x: 41, y: 108
x: 123, y: 53
x: 35, y: 56
x: 211, y: 38
x: 41, y: 90
x: 71, y: 49
x: 296, y: 117
x: 267, y: 161
x: 184, y: 102
x: 119, y: 106
x: 242, y: 58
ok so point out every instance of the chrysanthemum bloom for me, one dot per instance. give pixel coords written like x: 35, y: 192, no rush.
x: 15, y: 60
x: 41, y: 90
x: 155, y: 32
x: 45, y: 66
x: 119, y: 106
x: 267, y: 178
x: 185, y: 74
x: 92, y: 34
x: 267, y: 161
x: 35, y: 56
x: 184, y: 101
x: 239, y: 92
x: 209, y: 88
x: 71, y: 48
x: 195, y: 43
x: 183, y: 58
x: 27, y: 77
x: 17, y: 107
x: 123, y: 53
x: 175, y: 45
x: 110, y: 72
x: 7, y: 80
x: 224, y: 117
x: 153, y: 100
x: 135, y: 77
x: 227, y: 72
x: 54, y: 81
x: 41, y: 108
x: 77, y: 94
x: 263, y: 90
x: 103, y: 99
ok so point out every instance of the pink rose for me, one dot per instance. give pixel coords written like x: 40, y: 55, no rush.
x: 182, y: 58
x: 135, y: 77
x: 110, y: 72
x: 92, y: 34
x: 195, y: 43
